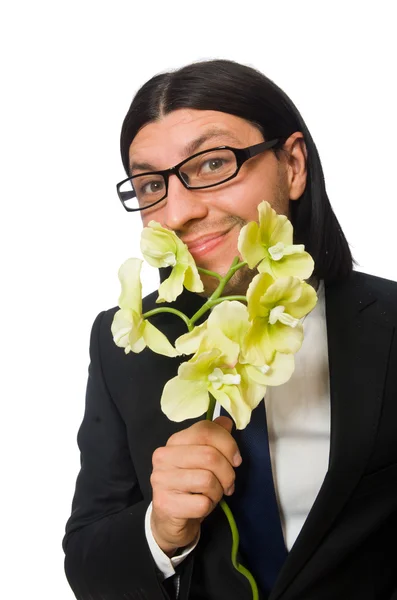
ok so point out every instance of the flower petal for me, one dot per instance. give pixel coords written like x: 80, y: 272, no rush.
x: 201, y: 366
x: 282, y: 232
x: 256, y: 290
x: 252, y: 391
x: 121, y: 327
x: 280, y: 371
x: 158, y: 245
x: 283, y: 338
x: 257, y: 349
x: 183, y: 399
x: 229, y: 396
x: 137, y: 346
x: 249, y: 244
x: 231, y: 317
x: 189, y: 343
x: 282, y: 291
x: 306, y: 302
x: 224, y: 330
x: 227, y: 326
x: 157, y: 341
x: 127, y: 329
x: 215, y: 338
x: 265, y: 266
x: 131, y: 288
x: 299, y: 265
x: 269, y: 221
x: 172, y: 287
x: 192, y: 281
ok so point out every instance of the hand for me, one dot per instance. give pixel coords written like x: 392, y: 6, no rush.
x: 190, y: 475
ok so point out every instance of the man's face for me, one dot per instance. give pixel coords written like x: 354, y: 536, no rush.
x: 209, y: 220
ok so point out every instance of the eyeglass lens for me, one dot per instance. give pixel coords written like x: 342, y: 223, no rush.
x: 204, y: 170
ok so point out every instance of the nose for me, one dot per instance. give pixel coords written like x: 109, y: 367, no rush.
x: 182, y: 205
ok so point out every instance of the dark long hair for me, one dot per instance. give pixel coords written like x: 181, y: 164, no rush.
x: 242, y: 91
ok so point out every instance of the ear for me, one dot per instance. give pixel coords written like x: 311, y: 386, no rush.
x: 296, y: 158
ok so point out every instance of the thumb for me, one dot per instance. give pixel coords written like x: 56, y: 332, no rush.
x: 225, y: 422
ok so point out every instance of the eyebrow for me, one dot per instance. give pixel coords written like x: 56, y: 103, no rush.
x: 208, y: 135
x: 190, y: 148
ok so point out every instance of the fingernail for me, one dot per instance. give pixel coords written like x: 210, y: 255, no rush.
x: 237, y: 460
x: 230, y: 491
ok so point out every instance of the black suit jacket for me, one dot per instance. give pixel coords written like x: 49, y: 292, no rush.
x: 347, y: 547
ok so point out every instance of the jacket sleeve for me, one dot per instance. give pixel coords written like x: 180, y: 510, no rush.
x: 107, y: 555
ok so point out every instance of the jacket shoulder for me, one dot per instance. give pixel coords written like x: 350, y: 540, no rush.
x: 380, y: 292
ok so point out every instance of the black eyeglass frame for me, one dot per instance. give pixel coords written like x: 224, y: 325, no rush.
x: 241, y: 154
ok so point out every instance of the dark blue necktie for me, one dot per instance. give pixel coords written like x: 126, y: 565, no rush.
x: 254, y: 504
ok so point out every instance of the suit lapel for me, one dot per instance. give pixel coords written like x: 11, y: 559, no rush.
x: 358, y: 351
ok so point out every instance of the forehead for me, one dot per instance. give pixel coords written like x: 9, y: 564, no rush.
x: 182, y: 131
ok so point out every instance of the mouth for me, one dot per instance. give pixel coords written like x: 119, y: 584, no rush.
x: 201, y: 246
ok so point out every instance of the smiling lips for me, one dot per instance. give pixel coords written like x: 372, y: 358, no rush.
x: 201, y: 246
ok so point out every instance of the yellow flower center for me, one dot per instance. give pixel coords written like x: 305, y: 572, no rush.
x: 218, y: 378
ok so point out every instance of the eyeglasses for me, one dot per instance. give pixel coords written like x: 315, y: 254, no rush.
x: 202, y: 170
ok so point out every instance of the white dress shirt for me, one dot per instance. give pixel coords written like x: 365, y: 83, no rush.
x: 298, y: 419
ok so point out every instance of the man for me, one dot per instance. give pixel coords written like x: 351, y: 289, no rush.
x: 146, y: 522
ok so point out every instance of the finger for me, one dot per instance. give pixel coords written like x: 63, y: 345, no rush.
x: 208, y: 433
x: 225, y: 422
x: 180, y: 458
x: 182, y: 506
x: 187, y: 481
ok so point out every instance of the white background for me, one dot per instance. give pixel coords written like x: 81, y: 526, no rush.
x: 69, y: 72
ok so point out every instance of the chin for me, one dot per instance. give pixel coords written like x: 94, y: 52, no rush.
x: 238, y: 284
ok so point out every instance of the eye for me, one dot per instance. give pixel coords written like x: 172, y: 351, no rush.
x: 152, y: 187
x: 212, y: 165
x: 149, y: 188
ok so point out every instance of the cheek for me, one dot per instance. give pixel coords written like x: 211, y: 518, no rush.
x: 241, y: 197
x: 151, y: 214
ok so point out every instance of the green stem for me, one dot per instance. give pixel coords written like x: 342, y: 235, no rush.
x: 210, y: 273
x: 174, y: 311
x: 235, y: 266
x: 233, y: 269
x: 211, y: 408
x: 212, y: 300
x: 235, y: 542
x: 232, y: 524
x: 220, y: 300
